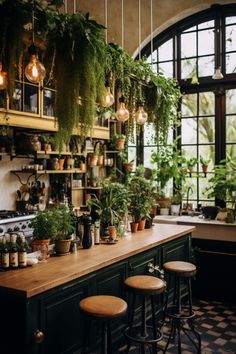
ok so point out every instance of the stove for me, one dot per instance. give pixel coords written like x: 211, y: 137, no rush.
x: 15, y: 221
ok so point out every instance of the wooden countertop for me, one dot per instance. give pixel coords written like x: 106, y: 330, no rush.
x: 59, y: 270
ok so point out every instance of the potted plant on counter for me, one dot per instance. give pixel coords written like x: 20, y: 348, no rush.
x: 112, y: 205
x: 63, y: 219
x: 142, y: 199
x: 44, y: 229
x: 204, y: 163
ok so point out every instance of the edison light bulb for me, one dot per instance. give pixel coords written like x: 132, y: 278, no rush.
x: 109, y: 98
x: 34, y: 71
x: 3, y: 78
x: 140, y: 115
x: 122, y: 114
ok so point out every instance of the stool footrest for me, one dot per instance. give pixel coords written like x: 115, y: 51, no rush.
x: 174, y: 314
x: 137, y: 337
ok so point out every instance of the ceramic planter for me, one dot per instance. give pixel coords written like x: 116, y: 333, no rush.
x: 62, y: 246
x: 134, y: 227
x: 112, y: 232
x: 141, y: 224
x: 120, y: 143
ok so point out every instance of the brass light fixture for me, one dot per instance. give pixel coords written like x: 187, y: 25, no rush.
x: 34, y: 70
x: 218, y: 74
x: 3, y: 78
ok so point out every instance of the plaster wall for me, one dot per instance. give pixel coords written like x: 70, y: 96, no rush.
x: 164, y: 14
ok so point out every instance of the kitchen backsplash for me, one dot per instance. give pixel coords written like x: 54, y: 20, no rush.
x: 9, y: 183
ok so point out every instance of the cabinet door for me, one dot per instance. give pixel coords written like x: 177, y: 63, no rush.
x: 177, y: 250
x: 61, y: 319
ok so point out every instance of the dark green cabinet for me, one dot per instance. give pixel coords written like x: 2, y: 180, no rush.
x: 56, y: 314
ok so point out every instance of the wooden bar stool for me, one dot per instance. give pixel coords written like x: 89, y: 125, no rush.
x: 104, y: 308
x: 181, y: 316
x: 145, y: 286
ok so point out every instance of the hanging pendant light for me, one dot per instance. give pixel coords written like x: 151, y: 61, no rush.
x: 109, y: 98
x: 34, y: 70
x: 218, y: 74
x: 122, y: 114
x: 140, y: 115
x: 3, y: 78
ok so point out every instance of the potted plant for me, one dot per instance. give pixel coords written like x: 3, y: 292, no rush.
x: 63, y: 219
x: 191, y: 163
x: 112, y: 204
x: 204, y: 162
x: 223, y: 183
x: 175, y: 203
x: 127, y: 164
x: 93, y: 158
x: 168, y: 164
x: 119, y: 141
x: 142, y: 198
x: 44, y: 229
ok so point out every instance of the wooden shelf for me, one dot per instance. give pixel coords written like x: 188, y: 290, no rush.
x: 40, y: 172
x: 77, y: 188
x: 97, y: 188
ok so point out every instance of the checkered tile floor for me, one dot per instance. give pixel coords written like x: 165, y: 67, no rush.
x: 216, y: 322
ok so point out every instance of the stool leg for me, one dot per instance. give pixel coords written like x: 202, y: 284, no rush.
x: 104, y: 338
x: 86, y: 337
x: 191, y: 322
x: 179, y: 313
x: 144, y: 325
x: 154, y: 323
x: 131, y: 320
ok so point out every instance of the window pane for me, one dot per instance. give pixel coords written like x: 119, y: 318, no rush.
x: 147, y: 152
x: 231, y: 129
x: 188, y: 45
x: 207, y: 24
x: 205, y: 42
x: 189, y: 131
x: 48, y: 102
x: 206, y: 103
x: 31, y: 98
x: 203, y: 184
x: 132, y: 155
x: 166, y: 69
x: 190, y: 182
x: 231, y: 63
x: 206, y: 130
x: 229, y: 20
x: 231, y: 101
x: 149, y: 134
x: 231, y: 151
x: 206, y: 66
x: 207, y: 152
x: 190, y: 29
x: 189, y: 105
x: 165, y: 51
x: 189, y: 151
x: 188, y: 67
x: 16, y: 102
x: 230, y: 43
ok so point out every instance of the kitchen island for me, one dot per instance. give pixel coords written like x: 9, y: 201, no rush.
x: 40, y: 304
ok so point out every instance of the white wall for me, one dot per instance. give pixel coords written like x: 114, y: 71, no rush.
x: 9, y: 183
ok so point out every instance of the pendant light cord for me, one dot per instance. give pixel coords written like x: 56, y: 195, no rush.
x: 33, y: 22
x: 151, y: 6
x: 122, y: 24
x: 139, y: 28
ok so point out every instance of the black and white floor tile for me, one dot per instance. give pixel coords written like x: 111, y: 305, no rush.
x: 216, y: 322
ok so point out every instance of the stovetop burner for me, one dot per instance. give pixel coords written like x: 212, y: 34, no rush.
x: 9, y: 214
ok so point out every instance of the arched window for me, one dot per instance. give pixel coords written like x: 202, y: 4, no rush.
x: 191, y: 51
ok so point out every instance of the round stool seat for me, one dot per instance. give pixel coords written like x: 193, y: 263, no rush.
x: 103, y: 306
x: 145, y: 284
x: 182, y: 269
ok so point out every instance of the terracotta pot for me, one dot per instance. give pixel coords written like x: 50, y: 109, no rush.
x: 128, y: 166
x: 61, y: 164
x: 82, y: 166
x: 62, y: 246
x: 204, y: 168
x: 163, y: 202
x: 120, y: 143
x: 141, y: 224
x: 42, y: 246
x: 112, y: 232
x: 93, y: 161
x: 100, y: 160
x: 134, y: 227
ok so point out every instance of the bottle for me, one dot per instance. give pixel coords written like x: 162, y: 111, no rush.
x: 87, y: 238
x: 13, y: 253
x: 97, y: 232
x: 22, y: 254
x: 5, y: 255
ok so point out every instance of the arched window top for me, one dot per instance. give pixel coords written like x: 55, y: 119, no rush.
x: 192, y: 49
